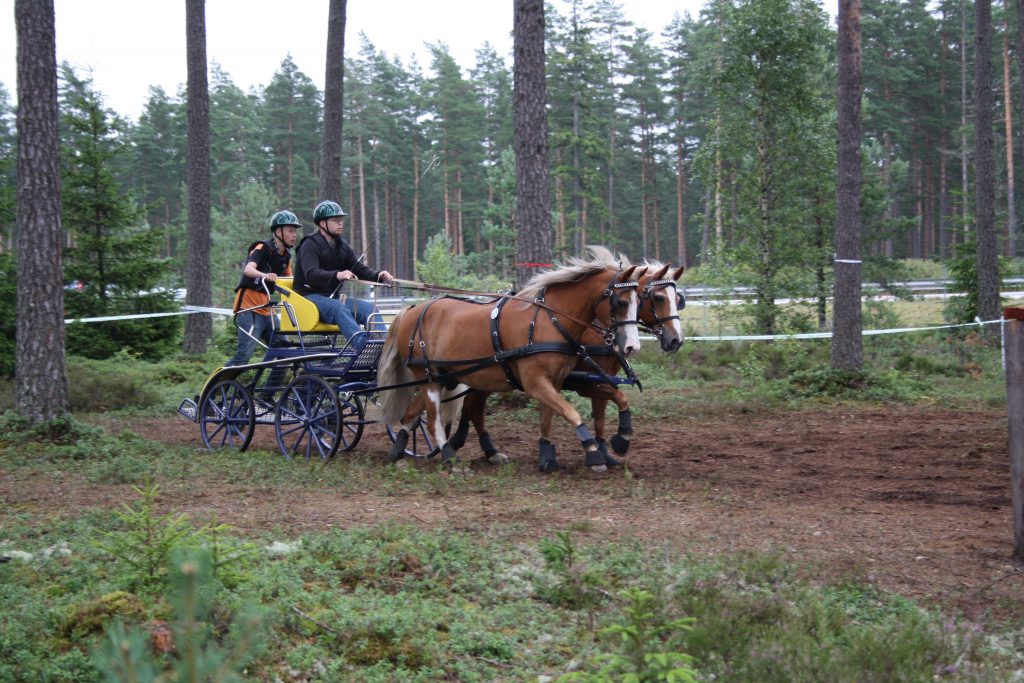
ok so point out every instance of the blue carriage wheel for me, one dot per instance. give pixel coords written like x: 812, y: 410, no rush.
x: 307, y: 421
x: 421, y: 442
x: 351, y: 416
x: 227, y: 416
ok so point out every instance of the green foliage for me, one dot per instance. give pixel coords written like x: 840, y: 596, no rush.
x: 963, y: 268
x: 440, y: 267
x: 203, y: 652
x: 8, y: 313
x: 118, y: 382
x: 113, y: 253
x: 641, y: 635
x: 578, y: 585
x: 381, y: 603
x: 147, y: 539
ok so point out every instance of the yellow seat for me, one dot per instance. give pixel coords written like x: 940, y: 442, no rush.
x: 305, y: 311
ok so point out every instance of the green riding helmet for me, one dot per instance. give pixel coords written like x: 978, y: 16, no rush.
x: 327, y: 209
x: 283, y: 218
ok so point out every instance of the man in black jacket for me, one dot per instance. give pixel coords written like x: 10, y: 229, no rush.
x: 323, y: 260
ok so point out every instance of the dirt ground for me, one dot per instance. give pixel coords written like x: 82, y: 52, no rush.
x: 915, y: 499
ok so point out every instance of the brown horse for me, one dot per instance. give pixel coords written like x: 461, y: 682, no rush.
x: 530, y: 344
x: 659, y: 312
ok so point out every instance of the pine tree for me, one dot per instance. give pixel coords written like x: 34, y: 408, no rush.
x: 847, y: 345
x: 42, y: 388
x: 533, y: 194
x: 198, y: 327
x: 290, y: 117
x: 113, y: 253
x: 157, y: 162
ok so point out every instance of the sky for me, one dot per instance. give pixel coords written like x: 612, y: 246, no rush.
x: 129, y: 45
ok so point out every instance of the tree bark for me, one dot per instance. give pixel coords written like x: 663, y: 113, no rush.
x: 334, y: 102
x: 1011, y: 207
x: 984, y: 167
x: 533, y: 189
x: 41, y: 379
x: 847, y: 323
x: 198, y: 326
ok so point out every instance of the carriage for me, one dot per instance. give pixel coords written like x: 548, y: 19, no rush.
x: 312, y: 386
x: 315, y: 388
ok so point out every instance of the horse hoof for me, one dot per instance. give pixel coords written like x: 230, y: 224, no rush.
x: 549, y: 466
x: 620, y: 444
x: 611, y: 460
x: 600, y: 469
x: 498, y: 459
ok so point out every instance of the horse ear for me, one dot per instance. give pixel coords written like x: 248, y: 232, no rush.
x: 640, y: 272
x: 626, y: 274
x: 679, y: 273
x: 661, y: 273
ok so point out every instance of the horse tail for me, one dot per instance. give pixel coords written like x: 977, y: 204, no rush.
x: 391, y: 370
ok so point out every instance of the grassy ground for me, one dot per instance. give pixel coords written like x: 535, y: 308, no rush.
x: 87, y: 593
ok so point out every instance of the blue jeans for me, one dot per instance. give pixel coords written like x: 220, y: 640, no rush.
x: 261, y: 329
x: 348, y: 316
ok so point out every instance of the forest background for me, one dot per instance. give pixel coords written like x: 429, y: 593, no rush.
x: 654, y: 151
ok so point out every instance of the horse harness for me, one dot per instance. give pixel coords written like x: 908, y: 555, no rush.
x: 502, y: 357
x: 657, y: 327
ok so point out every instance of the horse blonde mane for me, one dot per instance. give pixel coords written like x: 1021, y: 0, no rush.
x: 575, y: 270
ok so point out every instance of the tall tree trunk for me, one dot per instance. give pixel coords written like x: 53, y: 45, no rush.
x: 334, y: 102
x: 643, y: 204
x: 415, y: 202
x: 198, y: 326
x: 364, y: 237
x: 577, y: 174
x: 1020, y: 62
x: 533, y: 189
x: 847, y: 325
x: 964, y: 152
x: 41, y: 379
x: 984, y: 166
x: 680, y: 184
x: 1011, y: 186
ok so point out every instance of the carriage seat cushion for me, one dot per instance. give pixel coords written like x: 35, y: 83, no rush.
x: 306, y: 312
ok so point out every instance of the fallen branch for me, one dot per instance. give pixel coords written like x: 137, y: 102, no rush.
x: 315, y: 621
x: 996, y: 580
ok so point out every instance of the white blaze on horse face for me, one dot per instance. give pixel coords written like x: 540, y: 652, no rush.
x: 632, y: 342
x: 673, y: 310
x: 434, y: 396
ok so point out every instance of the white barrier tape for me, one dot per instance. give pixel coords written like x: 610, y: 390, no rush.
x: 828, y: 335
x: 188, y: 310
x: 752, y: 337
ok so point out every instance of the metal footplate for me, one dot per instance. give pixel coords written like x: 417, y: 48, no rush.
x: 189, y: 409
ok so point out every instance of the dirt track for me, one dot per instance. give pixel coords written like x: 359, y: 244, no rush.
x: 916, y: 499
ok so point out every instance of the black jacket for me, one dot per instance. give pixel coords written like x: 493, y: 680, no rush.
x: 264, y: 255
x: 317, y: 265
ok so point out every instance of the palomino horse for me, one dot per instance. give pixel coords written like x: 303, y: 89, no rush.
x: 529, y: 345
x: 660, y: 303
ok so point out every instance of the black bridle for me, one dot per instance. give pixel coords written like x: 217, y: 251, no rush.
x: 657, y: 326
x: 615, y: 303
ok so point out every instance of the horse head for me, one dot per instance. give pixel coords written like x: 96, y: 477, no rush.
x: 623, y: 299
x: 660, y: 303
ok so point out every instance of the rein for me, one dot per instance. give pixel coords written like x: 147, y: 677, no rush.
x: 607, y: 332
